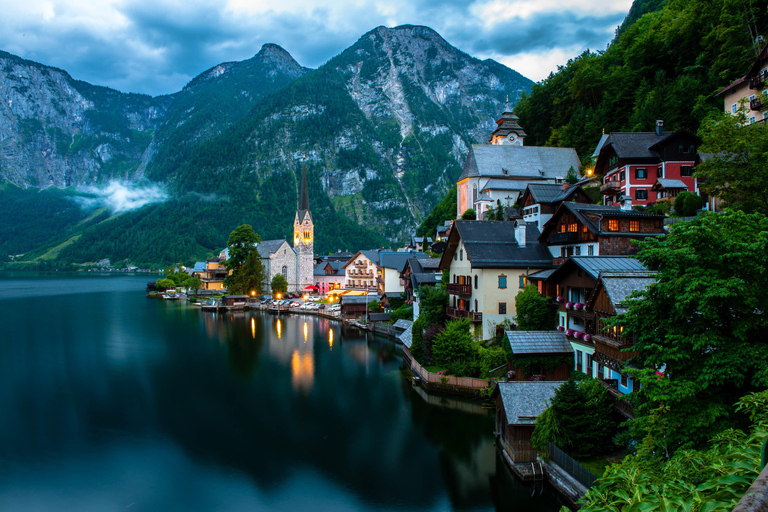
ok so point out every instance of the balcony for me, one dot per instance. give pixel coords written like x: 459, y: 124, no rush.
x: 613, y: 348
x: 756, y: 104
x: 563, y: 238
x: 464, y: 290
x: 474, y: 316
x: 757, y: 81
x: 610, y: 188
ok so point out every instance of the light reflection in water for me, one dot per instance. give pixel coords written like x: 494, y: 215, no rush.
x: 330, y: 338
x: 253, y: 328
x: 279, y: 329
x: 302, y: 370
x: 306, y: 331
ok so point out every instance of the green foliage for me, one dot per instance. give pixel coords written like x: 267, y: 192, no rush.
x: 455, y: 350
x: 571, y: 176
x: 737, y: 172
x: 687, y: 204
x: 444, y: 210
x: 491, y: 358
x: 164, y: 284
x: 662, y: 208
x: 469, y: 214
x: 533, y: 311
x: 702, y: 322
x: 194, y: 283
x: 714, y: 479
x: 244, y: 261
x: 279, y: 284
x: 432, y: 303
x: 674, y: 57
x: 417, y: 340
x: 374, y: 306
x: 547, y: 430
x: 404, y: 312
x: 242, y: 242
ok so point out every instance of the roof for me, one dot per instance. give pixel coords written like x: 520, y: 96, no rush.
x: 499, y: 161
x: 620, y: 286
x: 425, y: 278
x: 600, y: 144
x: 484, y: 197
x: 268, y: 247
x: 541, y: 274
x: 372, y: 255
x: 379, y: 317
x: 523, y: 400
x: 303, y: 196
x: 337, y: 267
x: 405, y: 336
x: 669, y: 184
x: 639, y: 145
x: 199, y: 266
x: 397, y: 260
x: 402, y: 324
x: 357, y: 299
x: 538, y: 342
x: 595, y: 265
x: 550, y: 193
x: 504, y: 184
x: 423, y: 265
x: 492, y: 244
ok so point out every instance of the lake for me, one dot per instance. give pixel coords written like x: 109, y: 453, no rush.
x: 112, y: 401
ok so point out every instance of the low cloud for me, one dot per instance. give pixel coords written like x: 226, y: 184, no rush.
x: 119, y: 197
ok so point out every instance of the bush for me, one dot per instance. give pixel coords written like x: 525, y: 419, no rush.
x: 533, y: 311
x: 402, y: 313
x: 429, y: 338
x: 490, y: 358
x: 469, y: 214
x: 687, y: 204
x: 455, y: 350
x: 165, y: 284
x: 417, y: 341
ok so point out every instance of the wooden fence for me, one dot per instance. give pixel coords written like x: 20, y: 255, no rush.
x: 433, y: 378
x: 584, y: 476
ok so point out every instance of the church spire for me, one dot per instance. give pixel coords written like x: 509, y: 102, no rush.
x: 304, y: 193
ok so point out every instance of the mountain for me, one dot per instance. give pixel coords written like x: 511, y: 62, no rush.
x: 382, y: 129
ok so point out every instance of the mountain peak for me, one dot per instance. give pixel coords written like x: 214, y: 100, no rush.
x: 274, y: 52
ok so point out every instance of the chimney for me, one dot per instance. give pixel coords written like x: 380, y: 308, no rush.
x: 659, y: 127
x: 626, y: 203
x: 565, y: 186
x: 520, y: 233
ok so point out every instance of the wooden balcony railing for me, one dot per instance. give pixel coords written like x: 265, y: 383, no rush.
x: 613, y: 348
x: 464, y: 290
x: 756, y: 104
x: 610, y: 188
x: 474, y: 316
x: 563, y: 238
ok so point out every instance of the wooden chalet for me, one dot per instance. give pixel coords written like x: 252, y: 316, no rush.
x: 543, y: 345
x: 517, y: 406
x: 541, y: 200
x: 355, y: 306
x: 578, y: 229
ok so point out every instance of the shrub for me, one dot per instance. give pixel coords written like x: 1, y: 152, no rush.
x: 533, y: 311
x: 687, y: 204
x: 490, y: 358
x: 454, y: 349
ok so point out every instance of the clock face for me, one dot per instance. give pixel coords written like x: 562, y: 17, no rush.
x: 512, y: 137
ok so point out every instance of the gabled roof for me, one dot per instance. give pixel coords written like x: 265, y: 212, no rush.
x: 336, y: 266
x: 619, y: 286
x: 665, y: 183
x: 499, y: 161
x: 504, y: 184
x: 372, y: 255
x: 423, y: 265
x: 406, y: 336
x: 638, y: 145
x: 753, y: 70
x: 581, y: 210
x: 600, y: 144
x: 397, y: 260
x: 492, y: 244
x: 595, y: 265
x: 543, y: 193
x: 523, y: 401
x: 427, y: 278
x: 538, y: 342
x: 402, y: 324
x: 268, y: 247
x: 199, y: 266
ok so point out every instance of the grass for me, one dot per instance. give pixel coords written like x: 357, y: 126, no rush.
x: 596, y: 465
x: 434, y: 369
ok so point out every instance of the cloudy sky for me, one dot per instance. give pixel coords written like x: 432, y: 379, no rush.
x: 157, y: 46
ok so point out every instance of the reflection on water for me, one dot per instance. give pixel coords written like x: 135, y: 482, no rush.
x: 116, y: 402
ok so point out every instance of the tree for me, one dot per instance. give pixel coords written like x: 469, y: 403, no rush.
x: 533, y: 311
x: 737, y: 172
x: 571, y: 176
x: 432, y: 303
x: 687, y: 204
x: 454, y: 349
x: 374, y: 306
x: 279, y: 284
x: 702, y: 324
x: 469, y: 214
x: 165, y: 284
x: 194, y: 283
x: 247, y: 273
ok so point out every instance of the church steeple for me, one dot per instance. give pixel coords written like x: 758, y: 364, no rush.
x: 508, y: 131
x: 304, y: 236
x: 303, y: 194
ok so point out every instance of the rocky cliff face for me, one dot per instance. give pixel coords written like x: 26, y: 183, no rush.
x: 57, y: 131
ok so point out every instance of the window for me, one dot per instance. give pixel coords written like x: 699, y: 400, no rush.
x: 502, y: 281
x: 578, y: 359
x: 624, y: 381
x: 641, y: 173
x: 752, y: 119
x: 502, y: 308
x: 590, y: 250
x: 475, y: 283
x: 734, y: 108
x: 613, y: 224
x: 660, y: 172
x: 284, y: 271
x: 522, y: 282
x: 686, y: 171
x: 573, y: 227
x: 562, y: 252
x: 613, y: 160
x: 641, y: 193
x: 634, y: 226
x: 588, y: 365
x: 461, y: 254
x: 475, y: 304
x: 455, y: 256
x: 622, y: 176
x: 600, y: 371
x: 578, y: 250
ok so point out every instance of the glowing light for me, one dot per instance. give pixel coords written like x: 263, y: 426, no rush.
x: 253, y: 328
x: 306, y: 331
x: 278, y: 296
x: 305, y: 296
x: 589, y: 172
x: 330, y: 339
x: 279, y: 329
x: 253, y: 293
x: 302, y: 370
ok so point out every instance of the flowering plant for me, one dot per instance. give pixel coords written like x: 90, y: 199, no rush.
x: 537, y: 378
x: 511, y: 374
x: 587, y: 337
x: 569, y: 332
x: 560, y: 328
x: 559, y: 298
x: 568, y: 305
x: 578, y: 334
x: 443, y: 377
x: 578, y: 306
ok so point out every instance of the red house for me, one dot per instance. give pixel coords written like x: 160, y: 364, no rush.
x: 647, y: 167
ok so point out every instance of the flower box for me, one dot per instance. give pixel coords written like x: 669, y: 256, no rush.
x: 568, y: 305
x: 569, y: 332
x: 559, y: 299
x: 578, y: 334
x: 587, y: 337
x: 560, y: 328
x: 578, y: 306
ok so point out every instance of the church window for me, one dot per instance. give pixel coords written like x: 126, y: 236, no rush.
x: 284, y: 271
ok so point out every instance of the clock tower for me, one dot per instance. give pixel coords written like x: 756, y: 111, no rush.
x: 304, y: 238
x: 508, y: 132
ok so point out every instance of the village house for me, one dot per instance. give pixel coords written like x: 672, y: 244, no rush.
x: 362, y: 270
x: 550, y: 352
x: 518, y: 403
x: 647, y: 167
x: 391, y: 265
x: 329, y: 275
x: 499, y: 172
x: 578, y: 229
x: 540, y: 200
x: 416, y: 273
x: 213, y: 273
x: 750, y: 90
x: 488, y: 262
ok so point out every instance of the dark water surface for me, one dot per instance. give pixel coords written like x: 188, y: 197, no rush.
x: 110, y: 401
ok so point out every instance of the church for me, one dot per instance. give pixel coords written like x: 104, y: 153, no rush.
x: 295, y: 263
x: 499, y: 172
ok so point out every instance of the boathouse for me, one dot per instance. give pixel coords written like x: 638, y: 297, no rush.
x: 517, y: 405
x: 539, y: 355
